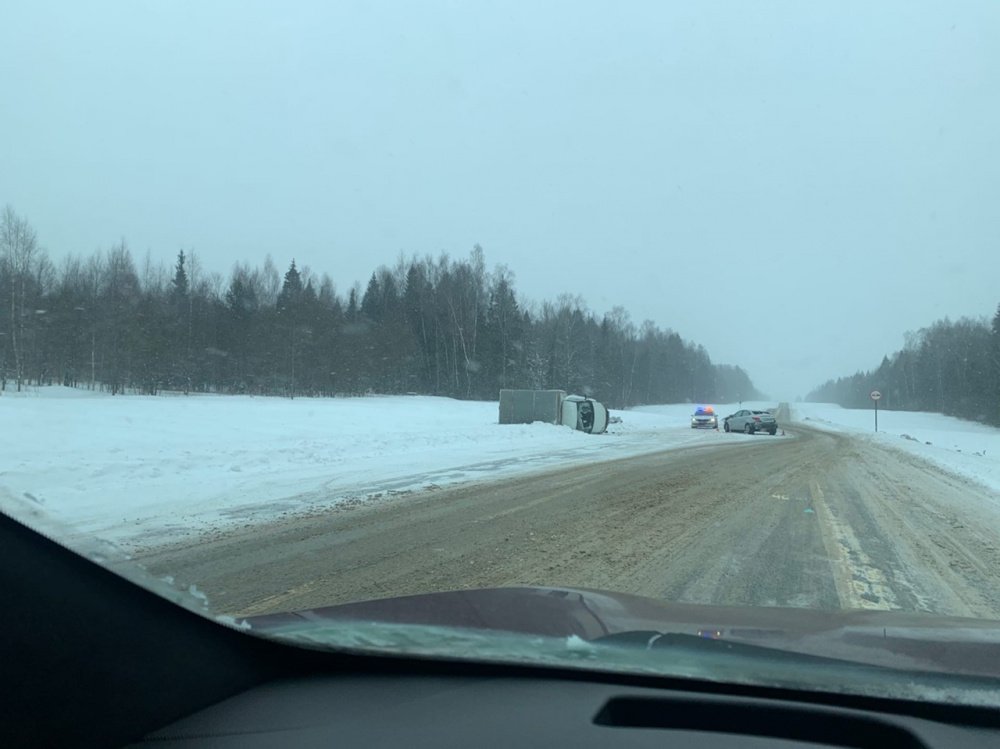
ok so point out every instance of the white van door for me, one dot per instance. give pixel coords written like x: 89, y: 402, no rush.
x: 570, y: 414
x: 601, y: 418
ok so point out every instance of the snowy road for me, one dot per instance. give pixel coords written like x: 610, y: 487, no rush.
x: 825, y: 520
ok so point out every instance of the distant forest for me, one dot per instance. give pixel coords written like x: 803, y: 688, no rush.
x: 439, y: 327
x: 950, y: 367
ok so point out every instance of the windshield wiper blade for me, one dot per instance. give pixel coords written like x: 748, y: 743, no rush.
x: 712, y: 645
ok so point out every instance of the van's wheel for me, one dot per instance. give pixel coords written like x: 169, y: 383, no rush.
x: 748, y: 429
x: 725, y: 426
x: 774, y: 432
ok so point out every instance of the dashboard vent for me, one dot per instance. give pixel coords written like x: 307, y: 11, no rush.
x: 756, y: 718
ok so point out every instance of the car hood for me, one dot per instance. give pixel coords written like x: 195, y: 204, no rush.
x: 892, y: 639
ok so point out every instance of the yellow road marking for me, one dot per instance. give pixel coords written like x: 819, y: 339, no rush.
x: 859, y: 584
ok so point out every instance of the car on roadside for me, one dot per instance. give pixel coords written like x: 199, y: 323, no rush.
x: 704, y: 417
x: 750, y: 422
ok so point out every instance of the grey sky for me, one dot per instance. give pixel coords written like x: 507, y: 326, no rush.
x: 841, y: 160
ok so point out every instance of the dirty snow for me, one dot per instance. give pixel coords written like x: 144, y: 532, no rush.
x: 143, y: 470
x: 962, y: 447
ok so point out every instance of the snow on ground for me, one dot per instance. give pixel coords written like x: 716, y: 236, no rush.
x: 963, y: 447
x: 143, y: 470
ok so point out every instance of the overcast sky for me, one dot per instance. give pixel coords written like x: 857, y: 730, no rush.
x: 792, y: 185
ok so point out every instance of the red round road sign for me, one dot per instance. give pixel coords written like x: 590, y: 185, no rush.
x: 876, y: 395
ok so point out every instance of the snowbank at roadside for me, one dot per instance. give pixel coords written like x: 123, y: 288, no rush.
x: 963, y: 447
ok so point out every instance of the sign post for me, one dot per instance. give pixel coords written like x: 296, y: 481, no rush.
x: 875, y: 395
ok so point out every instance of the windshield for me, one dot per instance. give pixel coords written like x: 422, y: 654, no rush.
x: 315, y: 305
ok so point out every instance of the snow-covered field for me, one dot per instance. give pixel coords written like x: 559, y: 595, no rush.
x: 963, y: 447
x: 138, y: 470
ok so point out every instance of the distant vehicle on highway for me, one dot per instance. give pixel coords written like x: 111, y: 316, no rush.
x: 704, y: 418
x: 750, y: 422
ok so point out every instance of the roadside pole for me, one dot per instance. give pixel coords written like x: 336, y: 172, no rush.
x: 875, y: 395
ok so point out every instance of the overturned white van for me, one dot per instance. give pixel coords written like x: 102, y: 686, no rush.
x: 553, y: 407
